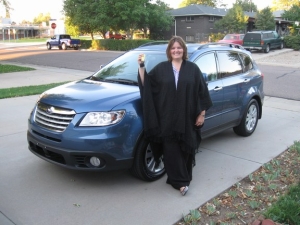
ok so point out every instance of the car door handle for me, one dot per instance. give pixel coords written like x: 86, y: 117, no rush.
x: 217, y: 88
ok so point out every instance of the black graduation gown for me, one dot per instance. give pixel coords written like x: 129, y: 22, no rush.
x: 169, y: 112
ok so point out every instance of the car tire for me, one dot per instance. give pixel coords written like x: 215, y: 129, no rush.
x: 64, y: 46
x: 144, y: 164
x: 249, y: 121
x: 267, y: 49
x: 48, y: 46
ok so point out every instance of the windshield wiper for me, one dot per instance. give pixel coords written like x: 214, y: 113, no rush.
x: 122, y: 81
x: 96, y: 78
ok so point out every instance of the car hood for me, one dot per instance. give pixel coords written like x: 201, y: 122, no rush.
x: 87, y: 95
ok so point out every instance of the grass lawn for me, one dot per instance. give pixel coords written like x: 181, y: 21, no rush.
x: 22, y: 40
x: 13, y: 68
x: 27, y: 90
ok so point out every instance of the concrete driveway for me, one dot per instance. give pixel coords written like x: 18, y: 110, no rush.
x: 35, y: 192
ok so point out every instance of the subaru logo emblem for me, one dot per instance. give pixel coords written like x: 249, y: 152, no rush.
x: 50, y: 110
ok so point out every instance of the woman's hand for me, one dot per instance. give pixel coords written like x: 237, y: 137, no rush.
x: 140, y: 59
x: 200, y: 119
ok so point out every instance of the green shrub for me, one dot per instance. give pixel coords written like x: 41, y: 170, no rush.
x: 287, y: 209
x: 214, y: 37
x: 115, y: 45
x: 292, y: 42
x: 85, y: 44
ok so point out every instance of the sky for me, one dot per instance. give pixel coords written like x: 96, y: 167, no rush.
x: 27, y: 10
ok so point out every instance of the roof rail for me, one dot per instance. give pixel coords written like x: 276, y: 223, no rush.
x: 154, y: 43
x: 231, y: 45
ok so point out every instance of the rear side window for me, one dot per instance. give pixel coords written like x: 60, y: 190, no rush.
x: 247, y: 62
x: 230, y: 64
x: 252, y: 36
x: 207, y: 65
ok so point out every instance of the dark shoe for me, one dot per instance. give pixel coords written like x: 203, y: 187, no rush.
x: 184, y: 190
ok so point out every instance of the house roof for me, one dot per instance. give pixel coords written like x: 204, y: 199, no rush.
x: 195, y: 9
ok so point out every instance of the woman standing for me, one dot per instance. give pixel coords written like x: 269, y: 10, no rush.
x: 175, y: 98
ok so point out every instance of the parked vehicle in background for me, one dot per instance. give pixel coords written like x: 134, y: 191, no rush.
x: 233, y: 38
x: 113, y: 35
x: 96, y: 124
x: 63, y: 41
x: 262, y: 40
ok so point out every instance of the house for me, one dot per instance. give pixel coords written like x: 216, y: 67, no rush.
x: 11, y: 31
x: 195, y: 23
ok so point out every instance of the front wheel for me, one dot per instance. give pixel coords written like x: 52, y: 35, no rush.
x: 249, y: 121
x: 48, y: 46
x: 144, y: 166
x: 281, y: 45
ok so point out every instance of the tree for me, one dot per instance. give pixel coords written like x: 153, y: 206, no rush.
x: 284, y: 4
x: 247, y: 5
x: 265, y: 20
x: 7, y: 7
x: 234, y: 21
x: 131, y: 15
x: 293, y: 14
x: 71, y: 29
x: 159, y: 20
x: 212, y: 3
x: 89, y: 16
x: 42, y: 18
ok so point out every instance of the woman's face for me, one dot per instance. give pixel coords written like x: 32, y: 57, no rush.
x: 176, y: 51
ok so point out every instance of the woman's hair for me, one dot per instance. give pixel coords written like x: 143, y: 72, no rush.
x: 181, y: 43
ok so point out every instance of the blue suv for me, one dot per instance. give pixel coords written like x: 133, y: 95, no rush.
x: 95, y: 124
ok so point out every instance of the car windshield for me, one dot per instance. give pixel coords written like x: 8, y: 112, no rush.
x: 230, y: 37
x: 125, y: 67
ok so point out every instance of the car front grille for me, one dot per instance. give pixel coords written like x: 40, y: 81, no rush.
x: 53, y: 118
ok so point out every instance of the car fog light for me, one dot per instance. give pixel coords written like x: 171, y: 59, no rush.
x: 95, y: 161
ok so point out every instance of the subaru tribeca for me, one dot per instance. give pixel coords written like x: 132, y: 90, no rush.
x: 95, y: 124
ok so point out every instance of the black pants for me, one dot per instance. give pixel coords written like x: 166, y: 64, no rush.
x: 178, y: 163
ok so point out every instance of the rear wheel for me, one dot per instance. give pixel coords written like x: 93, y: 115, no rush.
x: 267, y: 49
x: 48, y: 46
x: 249, y: 121
x: 144, y: 166
x: 64, y: 46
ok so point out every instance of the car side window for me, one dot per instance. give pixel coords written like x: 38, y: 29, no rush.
x: 230, y: 64
x: 207, y: 65
x: 247, y: 62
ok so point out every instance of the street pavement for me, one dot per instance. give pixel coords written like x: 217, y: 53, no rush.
x: 34, y: 192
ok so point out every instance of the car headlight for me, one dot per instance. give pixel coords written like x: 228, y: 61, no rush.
x: 102, y: 118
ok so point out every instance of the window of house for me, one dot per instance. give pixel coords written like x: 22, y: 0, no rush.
x: 230, y: 64
x: 189, y: 19
x: 189, y: 38
x: 211, y: 18
x: 207, y: 65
